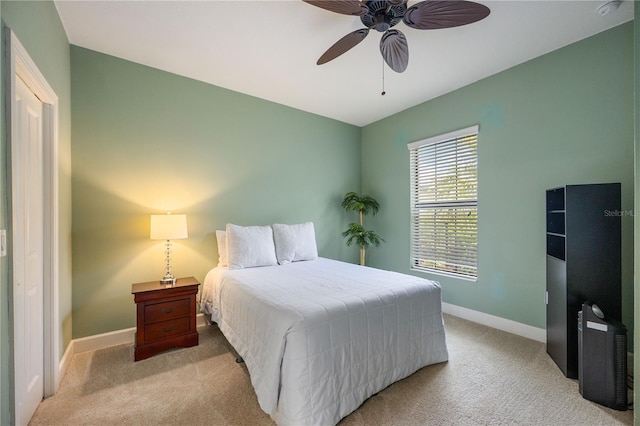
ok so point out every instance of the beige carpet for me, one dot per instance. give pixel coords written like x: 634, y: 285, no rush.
x: 492, y: 378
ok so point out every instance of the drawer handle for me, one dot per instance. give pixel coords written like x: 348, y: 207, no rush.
x: 166, y: 330
x: 165, y: 311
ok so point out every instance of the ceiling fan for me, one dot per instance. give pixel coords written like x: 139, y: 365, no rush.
x: 381, y: 15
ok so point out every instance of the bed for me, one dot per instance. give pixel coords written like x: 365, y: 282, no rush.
x: 320, y: 336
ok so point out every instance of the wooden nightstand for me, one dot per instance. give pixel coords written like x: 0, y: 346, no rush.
x: 166, y: 316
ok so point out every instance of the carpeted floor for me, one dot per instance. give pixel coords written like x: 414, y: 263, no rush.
x: 492, y: 378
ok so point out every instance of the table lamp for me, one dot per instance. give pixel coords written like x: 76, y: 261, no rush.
x: 168, y: 227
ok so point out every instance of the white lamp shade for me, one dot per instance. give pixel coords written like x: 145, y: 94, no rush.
x: 168, y: 226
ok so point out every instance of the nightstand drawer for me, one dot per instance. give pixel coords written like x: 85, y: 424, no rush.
x: 165, y: 329
x: 166, y: 311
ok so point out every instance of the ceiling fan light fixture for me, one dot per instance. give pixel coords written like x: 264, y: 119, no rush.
x: 382, y: 14
x: 609, y: 7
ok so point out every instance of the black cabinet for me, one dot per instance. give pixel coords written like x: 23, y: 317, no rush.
x: 583, y: 263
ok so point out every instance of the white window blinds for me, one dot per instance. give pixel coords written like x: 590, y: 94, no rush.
x: 444, y: 203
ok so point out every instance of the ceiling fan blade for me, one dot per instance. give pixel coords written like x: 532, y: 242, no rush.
x: 345, y: 7
x: 395, y: 50
x: 433, y: 14
x: 342, y: 45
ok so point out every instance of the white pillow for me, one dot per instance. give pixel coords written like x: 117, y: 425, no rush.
x: 250, y: 246
x: 295, y: 242
x: 221, y: 236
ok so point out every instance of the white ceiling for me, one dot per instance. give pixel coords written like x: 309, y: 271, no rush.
x: 269, y: 48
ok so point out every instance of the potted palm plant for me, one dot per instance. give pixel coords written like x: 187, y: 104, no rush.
x: 363, y: 204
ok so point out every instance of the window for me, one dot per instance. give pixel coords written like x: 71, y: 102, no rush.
x: 444, y: 204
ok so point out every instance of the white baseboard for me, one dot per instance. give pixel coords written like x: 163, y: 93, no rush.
x: 112, y: 338
x: 104, y: 340
x: 524, y: 330
x: 64, y: 365
x: 201, y: 321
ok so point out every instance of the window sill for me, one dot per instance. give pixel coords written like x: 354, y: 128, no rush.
x: 446, y: 274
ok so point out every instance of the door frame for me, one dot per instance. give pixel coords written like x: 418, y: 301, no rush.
x: 20, y: 64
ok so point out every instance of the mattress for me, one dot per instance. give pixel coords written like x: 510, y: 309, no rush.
x: 319, y: 337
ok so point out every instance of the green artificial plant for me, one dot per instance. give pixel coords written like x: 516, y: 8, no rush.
x: 364, y: 205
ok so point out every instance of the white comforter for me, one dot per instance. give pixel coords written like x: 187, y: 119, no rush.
x: 319, y: 337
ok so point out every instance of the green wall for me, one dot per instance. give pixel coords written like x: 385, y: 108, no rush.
x: 37, y: 25
x: 636, y: 350
x: 562, y: 118
x: 147, y: 141
x: 4, y: 301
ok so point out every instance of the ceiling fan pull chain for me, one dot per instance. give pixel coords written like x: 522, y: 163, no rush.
x: 383, y: 92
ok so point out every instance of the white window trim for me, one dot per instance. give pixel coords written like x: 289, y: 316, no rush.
x: 446, y: 136
x: 430, y: 141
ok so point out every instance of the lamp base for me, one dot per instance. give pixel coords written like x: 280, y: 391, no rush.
x: 168, y: 281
